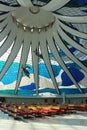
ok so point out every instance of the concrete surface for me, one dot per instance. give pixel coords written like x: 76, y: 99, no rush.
x: 64, y: 122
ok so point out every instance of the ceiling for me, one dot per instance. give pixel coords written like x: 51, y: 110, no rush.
x: 74, y: 9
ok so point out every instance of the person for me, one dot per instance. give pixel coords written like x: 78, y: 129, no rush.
x: 26, y: 72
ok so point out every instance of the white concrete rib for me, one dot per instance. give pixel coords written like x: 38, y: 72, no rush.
x: 5, y: 31
x: 23, y: 59
x: 73, y: 31
x: 13, y: 53
x: 35, y: 59
x: 57, y: 56
x: 55, y: 4
x: 70, y: 41
x: 6, y: 8
x: 75, y: 19
x: 44, y: 50
x: 25, y: 3
x: 9, y: 40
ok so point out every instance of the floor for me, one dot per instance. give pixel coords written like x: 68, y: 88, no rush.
x: 65, y: 122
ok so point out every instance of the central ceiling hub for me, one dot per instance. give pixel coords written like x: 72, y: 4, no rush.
x: 34, y: 9
x: 33, y: 19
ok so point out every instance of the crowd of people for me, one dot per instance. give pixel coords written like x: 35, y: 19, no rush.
x: 22, y: 111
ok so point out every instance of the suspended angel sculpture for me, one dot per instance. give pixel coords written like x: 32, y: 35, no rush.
x: 34, y: 27
x: 26, y: 72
